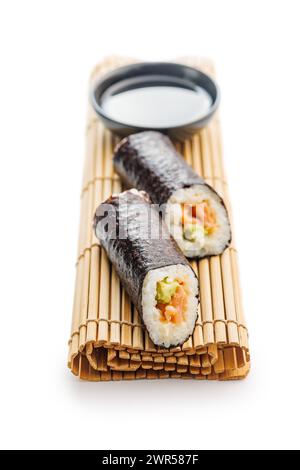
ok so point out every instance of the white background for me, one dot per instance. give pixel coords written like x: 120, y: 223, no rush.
x: 47, y: 51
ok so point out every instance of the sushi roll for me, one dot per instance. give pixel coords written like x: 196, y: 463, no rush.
x: 195, y: 214
x: 157, y: 277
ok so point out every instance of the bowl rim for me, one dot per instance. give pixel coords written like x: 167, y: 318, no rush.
x: 122, y: 70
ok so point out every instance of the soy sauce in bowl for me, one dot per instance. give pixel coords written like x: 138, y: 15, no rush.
x: 172, y: 98
x: 158, y: 106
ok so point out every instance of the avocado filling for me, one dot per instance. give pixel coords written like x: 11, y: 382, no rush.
x: 165, y: 290
x: 171, y: 300
x: 194, y: 232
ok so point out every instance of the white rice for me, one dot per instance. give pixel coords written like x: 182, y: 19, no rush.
x: 163, y: 333
x: 213, y: 244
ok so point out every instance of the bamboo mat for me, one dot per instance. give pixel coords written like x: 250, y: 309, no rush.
x: 108, y: 341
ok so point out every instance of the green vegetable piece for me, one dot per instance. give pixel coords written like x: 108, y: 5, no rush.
x: 165, y: 289
x: 193, y: 232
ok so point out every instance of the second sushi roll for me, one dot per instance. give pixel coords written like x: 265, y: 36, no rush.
x: 195, y: 213
x: 157, y: 277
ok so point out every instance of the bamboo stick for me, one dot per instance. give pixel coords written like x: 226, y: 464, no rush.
x: 196, y: 154
x: 124, y: 354
x: 195, y: 364
x: 83, y: 225
x: 93, y: 304
x: 158, y: 366
x: 115, y: 301
x: 170, y: 364
x: 97, y: 200
x: 76, y: 311
x: 201, y: 351
x: 117, y: 375
x: 243, y: 334
x: 175, y: 375
x: 86, y: 273
x: 95, y: 193
x: 126, y: 314
x: 94, y: 288
x: 84, y: 300
x: 212, y: 376
x: 83, y: 368
x: 230, y: 359
x: 149, y: 346
x: 89, y: 156
x: 228, y: 288
x: 93, y: 375
x: 240, y: 357
x: 104, y: 297
x: 102, y: 359
x: 181, y: 369
x: 206, y: 301
x: 151, y: 374
x: 138, y: 340
x: 159, y: 359
x: 212, y: 352
x: 219, y: 365
x: 214, y: 262
x: 88, y: 197
x: 205, y: 361
x: 199, y: 377
x: 81, y: 228
x: 147, y: 365
x: 198, y: 339
x: 106, y: 376
x: 141, y: 374
x: 75, y: 364
x: 163, y: 374
x: 115, y: 309
x: 206, y: 371
x: 217, y: 298
x: 183, y: 361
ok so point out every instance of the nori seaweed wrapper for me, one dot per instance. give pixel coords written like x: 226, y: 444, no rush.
x: 149, y: 161
x: 136, y: 240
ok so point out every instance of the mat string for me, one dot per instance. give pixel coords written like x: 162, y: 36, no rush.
x: 140, y: 325
x: 232, y: 248
x: 116, y: 178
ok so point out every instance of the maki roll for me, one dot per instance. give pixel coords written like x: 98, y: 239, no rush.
x: 195, y: 213
x: 157, y: 277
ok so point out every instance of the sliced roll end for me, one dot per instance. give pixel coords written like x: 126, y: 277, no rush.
x: 198, y: 220
x: 170, y: 304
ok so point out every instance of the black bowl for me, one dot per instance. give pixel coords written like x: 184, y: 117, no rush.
x: 142, y: 75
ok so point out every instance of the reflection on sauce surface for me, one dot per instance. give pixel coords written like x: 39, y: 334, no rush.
x: 158, y: 106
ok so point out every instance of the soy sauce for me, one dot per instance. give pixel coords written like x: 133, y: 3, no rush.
x: 157, y: 106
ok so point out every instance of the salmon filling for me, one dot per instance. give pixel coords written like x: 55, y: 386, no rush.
x: 198, y: 217
x: 171, y: 301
